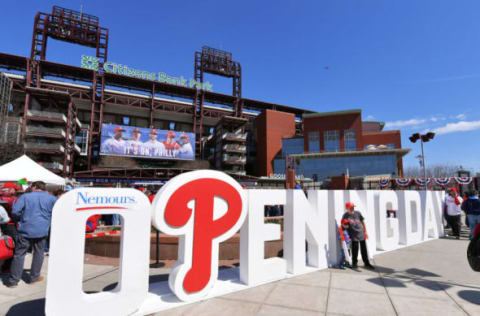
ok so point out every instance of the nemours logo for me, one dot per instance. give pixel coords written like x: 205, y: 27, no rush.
x: 83, y: 198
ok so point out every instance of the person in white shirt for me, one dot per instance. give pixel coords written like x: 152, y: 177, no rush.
x: 116, y: 144
x: 154, y: 148
x: 4, y: 219
x: 453, y: 204
x: 135, y: 146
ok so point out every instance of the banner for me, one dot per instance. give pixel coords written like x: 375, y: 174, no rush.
x: 403, y: 182
x: 119, y: 140
x: 463, y: 180
x: 442, y: 181
x: 421, y: 181
x: 384, y: 182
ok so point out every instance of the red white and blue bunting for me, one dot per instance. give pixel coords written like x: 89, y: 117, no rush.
x: 463, y: 180
x: 442, y: 181
x: 403, y: 182
x: 384, y: 182
x: 421, y: 181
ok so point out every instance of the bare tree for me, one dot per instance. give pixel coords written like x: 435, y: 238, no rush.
x: 9, y: 152
x: 433, y: 171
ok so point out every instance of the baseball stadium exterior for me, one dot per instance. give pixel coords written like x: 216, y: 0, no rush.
x: 92, y: 122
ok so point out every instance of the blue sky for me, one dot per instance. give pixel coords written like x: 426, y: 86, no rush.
x: 412, y: 64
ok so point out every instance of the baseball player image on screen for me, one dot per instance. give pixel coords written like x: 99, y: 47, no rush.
x: 186, y: 150
x: 171, y: 145
x: 115, y: 145
x: 152, y: 147
x: 134, y: 145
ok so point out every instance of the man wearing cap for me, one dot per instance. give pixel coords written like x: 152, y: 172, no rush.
x: 116, y: 144
x: 354, y: 222
x: 33, y: 212
x: 171, y: 145
x: 153, y: 147
x: 453, y: 207
x: 186, y: 150
x: 134, y: 145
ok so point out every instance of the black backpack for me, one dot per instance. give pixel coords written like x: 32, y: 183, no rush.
x: 473, y: 253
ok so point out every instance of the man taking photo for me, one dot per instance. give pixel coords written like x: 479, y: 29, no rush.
x: 33, y: 212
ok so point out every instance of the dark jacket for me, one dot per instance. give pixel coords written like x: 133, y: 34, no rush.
x: 471, y: 206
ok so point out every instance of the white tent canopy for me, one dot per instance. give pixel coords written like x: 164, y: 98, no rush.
x: 24, y: 167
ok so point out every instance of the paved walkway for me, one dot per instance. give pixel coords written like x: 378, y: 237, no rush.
x: 432, y: 278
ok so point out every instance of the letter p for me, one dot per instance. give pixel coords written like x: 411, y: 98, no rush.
x: 203, y: 208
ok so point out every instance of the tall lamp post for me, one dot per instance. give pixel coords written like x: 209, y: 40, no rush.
x: 423, y: 138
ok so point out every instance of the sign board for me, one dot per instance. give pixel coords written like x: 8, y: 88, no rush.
x: 204, y: 208
x: 90, y: 62
x: 120, y: 140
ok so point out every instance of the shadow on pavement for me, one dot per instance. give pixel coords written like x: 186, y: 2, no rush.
x: 387, y: 282
x: 30, y: 308
x: 151, y: 279
x: 421, y: 272
x: 470, y: 296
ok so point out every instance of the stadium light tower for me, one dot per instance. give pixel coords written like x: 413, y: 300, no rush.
x: 423, y: 138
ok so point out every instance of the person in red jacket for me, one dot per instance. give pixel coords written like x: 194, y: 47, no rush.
x: 7, y: 196
x: 92, y: 223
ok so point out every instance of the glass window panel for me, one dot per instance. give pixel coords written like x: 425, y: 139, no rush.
x: 350, y: 137
x: 332, y: 141
x: 314, y: 142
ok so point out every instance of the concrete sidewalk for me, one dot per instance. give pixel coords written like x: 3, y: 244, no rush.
x: 432, y: 278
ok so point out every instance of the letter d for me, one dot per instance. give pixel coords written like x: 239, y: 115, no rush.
x: 204, y: 208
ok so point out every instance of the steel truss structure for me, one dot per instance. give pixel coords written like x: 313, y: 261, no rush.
x: 84, y: 29
x: 5, y: 90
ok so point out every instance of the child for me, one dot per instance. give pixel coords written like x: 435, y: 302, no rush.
x: 346, y: 259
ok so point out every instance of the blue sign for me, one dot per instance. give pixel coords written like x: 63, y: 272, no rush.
x: 131, y: 141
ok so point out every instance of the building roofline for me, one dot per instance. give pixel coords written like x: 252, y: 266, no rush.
x: 320, y: 114
x: 398, y: 152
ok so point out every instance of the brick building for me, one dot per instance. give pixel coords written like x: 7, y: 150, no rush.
x: 336, y: 143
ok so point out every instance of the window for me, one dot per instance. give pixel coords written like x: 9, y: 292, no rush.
x: 292, y: 146
x: 332, y: 141
x: 126, y: 120
x: 391, y: 145
x: 81, y: 139
x: 313, y: 142
x: 350, y: 137
x: 171, y: 126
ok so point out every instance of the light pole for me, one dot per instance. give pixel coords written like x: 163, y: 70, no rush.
x: 423, y: 138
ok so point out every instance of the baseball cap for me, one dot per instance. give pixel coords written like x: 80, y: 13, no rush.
x: 136, y: 130
x: 185, y: 136
x: 349, y: 205
x: 118, y: 129
x: 154, y: 131
x: 11, y: 185
x: 345, y: 221
x: 171, y: 134
x: 452, y: 190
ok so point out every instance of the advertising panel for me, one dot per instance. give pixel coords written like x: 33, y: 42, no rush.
x: 120, y: 140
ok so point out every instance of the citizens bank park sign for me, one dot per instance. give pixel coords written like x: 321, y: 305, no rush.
x: 207, y: 207
x: 90, y: 62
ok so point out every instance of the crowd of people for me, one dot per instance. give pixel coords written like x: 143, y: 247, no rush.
x: 455, y: 204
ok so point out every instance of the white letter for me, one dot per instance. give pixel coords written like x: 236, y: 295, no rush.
x: 409, y: 217
x: 65, y: 295
x: 254, y: 268
x: 311, y: 214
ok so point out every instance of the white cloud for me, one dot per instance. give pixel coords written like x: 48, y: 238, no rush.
x: 411, y: 122
x: 462, y: 126
x: 461, y: 116
x: 370, y: 118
